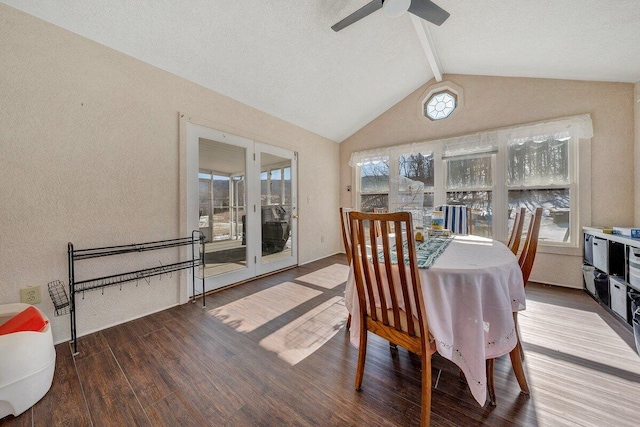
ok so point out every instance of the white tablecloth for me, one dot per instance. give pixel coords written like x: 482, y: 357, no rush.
x: 471, y: 292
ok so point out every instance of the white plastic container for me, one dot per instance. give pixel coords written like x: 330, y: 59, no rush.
x: 618, y: 296
x: 601, y: 254
x: 27, y: 363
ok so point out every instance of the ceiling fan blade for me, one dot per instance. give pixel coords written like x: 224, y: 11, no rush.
x: 365, y: 10
x: 429, y: 11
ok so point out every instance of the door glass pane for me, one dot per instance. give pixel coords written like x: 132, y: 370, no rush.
x: 221, y: 217
x: 556, y: 203
x: 222, y: 206
x: 275, y: 210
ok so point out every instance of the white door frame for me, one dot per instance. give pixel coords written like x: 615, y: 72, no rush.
x: 190, y: 220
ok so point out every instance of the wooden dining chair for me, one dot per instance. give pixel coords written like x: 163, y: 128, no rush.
x: 516, y: 231
x: 526, y: 264
x: 346, y: 239
x: 391, y: 303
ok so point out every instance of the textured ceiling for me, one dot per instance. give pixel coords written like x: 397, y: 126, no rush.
x: 281, y: 56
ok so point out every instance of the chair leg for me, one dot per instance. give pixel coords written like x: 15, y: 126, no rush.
x: 490, y: 385
x: 515, y: 322
x: 518, y: 369
x: 362, y: 355
x: 349, y: 322
x: 425, y: 410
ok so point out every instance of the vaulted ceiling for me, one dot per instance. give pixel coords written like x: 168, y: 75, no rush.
x: 282, y: 57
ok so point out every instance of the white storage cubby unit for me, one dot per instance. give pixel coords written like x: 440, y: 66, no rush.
x: 616, y: 260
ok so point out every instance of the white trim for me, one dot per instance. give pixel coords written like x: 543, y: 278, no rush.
x: 583, y: 122
x: 428, y: 47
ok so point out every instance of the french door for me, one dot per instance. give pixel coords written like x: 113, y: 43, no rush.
x: 242, y: 195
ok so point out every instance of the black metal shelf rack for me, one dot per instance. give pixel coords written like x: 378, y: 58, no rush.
x: 64, y: 304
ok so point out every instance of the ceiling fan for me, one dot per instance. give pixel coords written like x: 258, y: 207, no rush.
x: 424, y: 9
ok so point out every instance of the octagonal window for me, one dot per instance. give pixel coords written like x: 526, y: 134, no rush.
x: 440, y: 105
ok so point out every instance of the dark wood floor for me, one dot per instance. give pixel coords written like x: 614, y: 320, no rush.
x: 274, y: 352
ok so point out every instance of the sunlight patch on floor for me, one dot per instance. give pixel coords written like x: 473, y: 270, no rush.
x: 301, y: 337
x: 328, y: 277
x: 253, y: 311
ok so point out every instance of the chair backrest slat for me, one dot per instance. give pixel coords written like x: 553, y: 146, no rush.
x: 346, y: 231
x: 530, y: 248
x: 516, y: 231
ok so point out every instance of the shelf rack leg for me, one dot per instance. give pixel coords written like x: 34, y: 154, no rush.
x: 72, y: 300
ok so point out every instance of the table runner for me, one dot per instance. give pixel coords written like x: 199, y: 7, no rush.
x: 427, y: 252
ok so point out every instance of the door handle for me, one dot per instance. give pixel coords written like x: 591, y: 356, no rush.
x: 294, y: 216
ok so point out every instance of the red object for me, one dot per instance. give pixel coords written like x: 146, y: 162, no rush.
x: 28, y: 319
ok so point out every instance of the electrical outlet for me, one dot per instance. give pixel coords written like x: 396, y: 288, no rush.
x: 321, y: 239
x: 30, y: 295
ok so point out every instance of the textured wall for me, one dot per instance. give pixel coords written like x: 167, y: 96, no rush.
x: 89, y: 152
x: 493, y: 102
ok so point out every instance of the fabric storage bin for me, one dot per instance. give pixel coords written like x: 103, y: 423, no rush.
x: 602, y: 287
x: 601, y: 254
x: 618, y: 296
x: 634, y: 266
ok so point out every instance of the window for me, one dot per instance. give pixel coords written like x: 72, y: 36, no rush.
x: 538, y: 176
x: 494, y: 173
x: 469, y: 181
x: 440, y: 105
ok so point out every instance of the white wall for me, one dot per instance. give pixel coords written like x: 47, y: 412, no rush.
x: 495, y: 102
x: 89, y: 152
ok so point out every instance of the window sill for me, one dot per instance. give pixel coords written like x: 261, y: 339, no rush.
x: 560, y: 250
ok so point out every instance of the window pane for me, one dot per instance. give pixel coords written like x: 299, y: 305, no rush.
x: 469, y: 172
x: 427, y: 208
x: 417, y: 167
x: 538, y: 162
x: 555, y: 216
x: 374, y: 175
x: 481, y: 209
x: 368, y: 202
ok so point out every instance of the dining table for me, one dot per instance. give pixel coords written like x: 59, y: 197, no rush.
x: 471, y: 291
